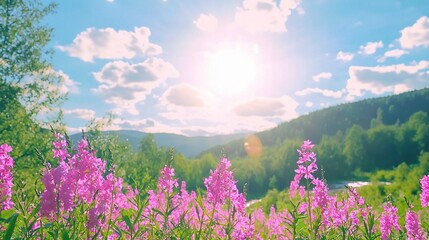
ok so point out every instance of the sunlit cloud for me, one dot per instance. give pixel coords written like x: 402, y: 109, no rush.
x: 125, y: 85
x: 309, y: 104
x: 206, y: 22
x: 140, y: 124
x: 370, y: 48
x: 395, y: 53
x: 324, y: 92
x: 67, y: 84
x: 248, y: 115
x: 300, y: 10
x: 108, y: 43
x: 185, y: 95
x: 72, y: 130
x: 85, y: 114
x: 392, y: 78
x: 284, y: 107
x: 259, y: 16
x: 416, y: 35
x: 345, y: 56
x: 322, y: 75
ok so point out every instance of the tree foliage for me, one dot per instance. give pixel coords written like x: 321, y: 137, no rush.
x: 24, y: 57
x: 28, y: 84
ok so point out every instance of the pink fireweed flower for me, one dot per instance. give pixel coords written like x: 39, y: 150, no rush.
x: 424, y: 196
x: 413, y: 226
x: 336, y: 213
x: 108, y: 202
x: 162, y: 197
x: 306, y: 167
x: 301, y: 191
x: 221, y: 186
x: 52, y: 180
x: 305, y: 153
x: 294, y: 185
x: 302, y: 208
x: 274, y: 224
x: 320, y: 194
x: 355, y: 199
x: 166, y: 183
x: 243, y: 228
x: 6, y: 165
x: 389, y: 221
x: 184, y: 205
x: 60, y: 147
x: 79, y: 179
x: 306, y: 171
x: 354, y: 217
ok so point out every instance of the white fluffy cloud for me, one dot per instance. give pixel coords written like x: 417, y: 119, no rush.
x: 258, y: 16
x: 220, y: 117
x: 64, y: 85
x: 324, y: 92
x: 416, y: 35
x: 206, y: 22
x: 140, y: 124
x: 381, y: 79
x: 185, y: 95
x: 125, y: 85
x: 345, y: 56
x: 108, y: 43
x: 370, y: 48
x: 309, y: 104
x: 284, y: 107
x: 67, y: 84
x: 86, y: 114
x: 395, y: 53
x: 322, y: 75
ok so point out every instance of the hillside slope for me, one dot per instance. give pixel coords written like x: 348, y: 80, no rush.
x: 328, y: 121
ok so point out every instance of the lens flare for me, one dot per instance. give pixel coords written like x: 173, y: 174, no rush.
x: 253, y: 146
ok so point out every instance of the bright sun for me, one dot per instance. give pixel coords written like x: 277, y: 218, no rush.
x: 231, y: 70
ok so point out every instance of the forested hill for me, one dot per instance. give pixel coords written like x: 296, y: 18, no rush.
x: 328, y: 121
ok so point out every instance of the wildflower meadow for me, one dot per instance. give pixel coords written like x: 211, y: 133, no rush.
x: 81, y: 198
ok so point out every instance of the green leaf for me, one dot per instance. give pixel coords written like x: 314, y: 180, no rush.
x: 11, y: 227
x: 127, y: 221
x: 159, y: 212
x: 6, y: 214
x: 65, y: 235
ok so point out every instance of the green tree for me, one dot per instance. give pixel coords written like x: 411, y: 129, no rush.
x: 24, y: 57
x: 354, y: 148
x: 28, y: 83
x: 330, y: 159
x: 383, y: 147
x: 19, y: 131
x: 419, y: 121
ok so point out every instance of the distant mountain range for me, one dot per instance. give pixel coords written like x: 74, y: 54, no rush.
x: 188, y: 146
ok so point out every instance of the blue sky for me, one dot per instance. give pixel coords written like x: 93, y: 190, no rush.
x: 218, y: 67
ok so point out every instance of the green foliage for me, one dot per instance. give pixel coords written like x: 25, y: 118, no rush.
x: 19, y: 130
x: 28, y: 83
x: 398, y: 184
x: 24, y: 57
